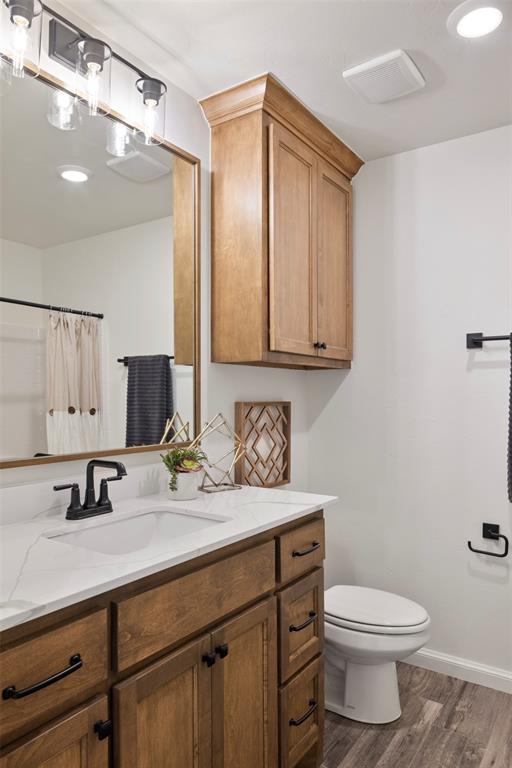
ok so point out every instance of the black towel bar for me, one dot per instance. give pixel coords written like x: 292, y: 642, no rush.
x: 476, y: 340
x: 124, y: 360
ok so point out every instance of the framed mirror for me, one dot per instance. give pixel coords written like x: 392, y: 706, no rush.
x: 99, y: 273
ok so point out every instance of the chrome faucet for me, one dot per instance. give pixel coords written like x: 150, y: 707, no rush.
x: 91, y: 506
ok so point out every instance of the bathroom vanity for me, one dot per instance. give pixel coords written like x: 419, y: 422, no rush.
x: 202, y: 651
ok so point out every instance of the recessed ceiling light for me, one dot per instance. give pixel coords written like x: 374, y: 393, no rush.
x: 475, y: 18
x: 74, y: 173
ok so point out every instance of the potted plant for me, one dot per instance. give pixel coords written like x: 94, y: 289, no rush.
x: 183, y: 465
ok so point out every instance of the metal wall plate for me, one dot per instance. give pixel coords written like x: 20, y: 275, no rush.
x: 62, y: 42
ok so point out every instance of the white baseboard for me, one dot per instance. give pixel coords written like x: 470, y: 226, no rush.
x: 463, y: 669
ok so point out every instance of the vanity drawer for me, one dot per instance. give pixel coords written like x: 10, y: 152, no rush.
x: 301, y: 621
x: 301, y: 550
x: 160, y: 617
x: 302, y: 714
x: 71, y: 659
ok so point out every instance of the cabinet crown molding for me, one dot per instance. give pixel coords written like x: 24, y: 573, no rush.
x: 267, y: 93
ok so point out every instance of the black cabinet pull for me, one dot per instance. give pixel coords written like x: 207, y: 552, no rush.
x: 209, y: 659
x: 222, y: 650
x: 10, y: 692
x: 312, y: 707
x: 301, y: 552
x: 103, y: 728
x: 298, y: 627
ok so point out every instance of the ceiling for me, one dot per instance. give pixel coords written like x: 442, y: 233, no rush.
x: 39, y: 208
x: 205, y: 46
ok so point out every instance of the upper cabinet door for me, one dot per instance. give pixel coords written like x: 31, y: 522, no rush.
x: 244, y: 690
x: 292, y: 243
x: 163, y: 713
x: 334, y: 263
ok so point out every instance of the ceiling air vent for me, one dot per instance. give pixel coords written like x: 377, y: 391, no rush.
x: 138, y: 167
x: 385, y: 78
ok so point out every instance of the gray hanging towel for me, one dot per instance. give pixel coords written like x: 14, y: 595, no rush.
x: 149, y: 399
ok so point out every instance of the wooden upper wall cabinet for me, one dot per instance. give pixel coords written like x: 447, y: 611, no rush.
x: 281, y: 231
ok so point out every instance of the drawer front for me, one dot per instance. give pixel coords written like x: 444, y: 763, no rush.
x: 73, y: 658
x: 302, y: 714
x: 301, y: 550
x: 301, y: 621
x: 153, y: 620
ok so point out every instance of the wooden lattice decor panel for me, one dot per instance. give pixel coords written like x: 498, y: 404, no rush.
x: 264, y: 428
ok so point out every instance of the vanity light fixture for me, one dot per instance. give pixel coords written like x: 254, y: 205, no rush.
x: 153, y: 103
x: 20, y: 36
x: 62, y: 112
x: 74, y: 173
x: 93, y: 62
x: 475, y: 18
x: 118, y: 139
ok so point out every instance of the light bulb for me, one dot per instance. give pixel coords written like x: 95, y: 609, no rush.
x: 62, y: 111
x: 149, y: 119
x: 93, y: 86
x: 19, y: 41
x: 118, y: 139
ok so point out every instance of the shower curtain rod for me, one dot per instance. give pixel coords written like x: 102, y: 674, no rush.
x: 50, y: 307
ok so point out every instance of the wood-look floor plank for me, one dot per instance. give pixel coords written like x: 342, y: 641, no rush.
x: 476, y: 711
x: 445, y: 723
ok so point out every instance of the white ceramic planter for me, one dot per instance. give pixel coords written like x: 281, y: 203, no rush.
x: 187, y: 486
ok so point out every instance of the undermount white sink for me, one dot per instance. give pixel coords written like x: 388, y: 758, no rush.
x: 147, y: 530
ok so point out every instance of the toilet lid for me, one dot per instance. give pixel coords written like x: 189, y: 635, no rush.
x: 373, y: 608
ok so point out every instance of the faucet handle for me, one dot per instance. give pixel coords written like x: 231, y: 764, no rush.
x: 104, y: 500
x: 72, y: 512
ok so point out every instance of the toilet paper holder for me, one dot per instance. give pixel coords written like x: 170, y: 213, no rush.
x: 491, y: 531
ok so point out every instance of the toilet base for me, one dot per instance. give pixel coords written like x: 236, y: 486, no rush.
x: 367, y: 693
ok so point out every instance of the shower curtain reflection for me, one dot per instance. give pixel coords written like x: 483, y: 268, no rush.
x: 73, y: 419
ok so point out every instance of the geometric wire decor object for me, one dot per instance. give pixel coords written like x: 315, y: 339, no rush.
x: 176, y: 430
x: 217, y: 473
x: 264, y: 428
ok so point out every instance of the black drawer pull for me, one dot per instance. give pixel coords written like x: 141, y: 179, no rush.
x: 209, y: 659
x: 10, y: 692
x: 301, y: 552
x: 299, y: 627
x: 312, y: 707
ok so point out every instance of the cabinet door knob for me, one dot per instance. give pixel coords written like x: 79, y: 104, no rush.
x: 103, y: 729
x: 209, y: 659
x: 222, y: 650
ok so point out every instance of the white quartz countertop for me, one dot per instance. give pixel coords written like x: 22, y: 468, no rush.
x: 40, y: 574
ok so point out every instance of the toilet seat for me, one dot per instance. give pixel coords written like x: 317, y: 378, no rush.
x: 373, y: 610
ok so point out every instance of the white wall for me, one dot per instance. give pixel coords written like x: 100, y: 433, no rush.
x: 22, y: 353
x: 413, y: 438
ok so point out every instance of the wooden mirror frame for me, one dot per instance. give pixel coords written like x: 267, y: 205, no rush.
x: 54, y: 82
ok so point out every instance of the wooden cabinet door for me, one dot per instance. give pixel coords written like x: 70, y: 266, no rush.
x: 334, y: 263
x: 162, y: 715
x: 244, y: 690
x: 69, y: 743
x: 292, y: 243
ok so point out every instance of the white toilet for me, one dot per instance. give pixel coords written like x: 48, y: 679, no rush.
x: 366, y: 632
